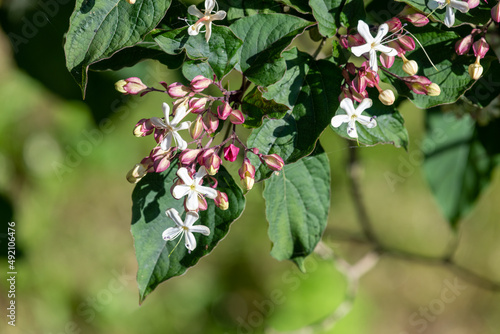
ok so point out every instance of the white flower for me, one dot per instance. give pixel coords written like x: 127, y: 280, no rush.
x: 172, y: 127
x: 192, y: 188
x: 204, y: 18
x: 450, y: 5
x: 373, y: 44
x: 353, y: 116
x: 185, y: 228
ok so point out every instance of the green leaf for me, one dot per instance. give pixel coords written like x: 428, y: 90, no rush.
x: 332, y: 14
x: 478, y: 15
x: 264, y: 37
x: 192, y: 68
x: 256, y: 107
x: 311, y: 88
x: 390, y: 127
x: 457, y: 166
x: 220, y: 53
x: 241, y: 8
x: 300, y: 6
x: 452, y: 74
x: 151, y: 198
x: 100, y: 28
x: 297, y: 205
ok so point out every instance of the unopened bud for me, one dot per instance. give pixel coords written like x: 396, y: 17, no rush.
x: 202, y: 203
x: 410, y: 66
x: 407, y: 43
x: 137, y: 173
x: 231, y: 153
x: 197, y: 105
x: 495, y: 13
x: 472, y: 3
x: 161, y: 164
x: 387, y: 97
x: 178, y: 90
x: 236, y: 117
x: 210, y: 160
x: 222, y: 201
x: 131, y: 1
x: 480, y: 48
x: 417, y: 19
x: 462, y: 46
x: 273, y: 161
x: 188, y: 156
x: 130, y: 86
x: 475, y: 70
x: 247, y: 174
x: 418, y: 84
x: 143, y: 128
x: 224, y: 111
x: 433, y: 89
x: 196, y: 127
x: 199, y: 83
x: 394, y: 24
x: 386, y: 61
x: 210, y: 122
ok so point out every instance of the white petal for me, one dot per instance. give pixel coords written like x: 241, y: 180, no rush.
x: 449, y: 19
x: 361, y: 49
x: 387, y: 50
x: 202, y: 171
x: 166, y: 112
x: 365, y: 104
x: 184, y: 175
x: 364, y: 31
x: 208, y: 33
x: 183, y: 126
x: 190, y: 241
x: 460, y: 5
x: 171, y: 233
x: 192, y: 201
x: 369, y: 122
x: 180, y: 191
x: 207, y: 191
x: 195, y: 11
x: 347, y: 105
x: 209, y: 6
x: 181, y: 143
x: 194, y: 29
x: 191, y: 218
x: 180, y: 113
x: 220, y: 15
x: 174, y: 215
x: 339, y: 120
x: 351, y: 129
x: 373, y: 60
x: 158, y: 123
x: 167, y: 141
x: 200, y: 229
x: 383, y: 29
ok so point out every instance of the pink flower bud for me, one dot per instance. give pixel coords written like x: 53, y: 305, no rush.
x: 473, y: 3
x: 161, y: 164
x: 130, y: 86
x: 273, y: 161
x: 359, y: 83
x: 480, y: 48
x: 462, y: 46
x: 224, y: 110
x: 178, y: 90
x: 386, y: 61
x: 199, y: 83
x: 418, y: 84
x: 188, y: 156
x: 247, y: 174
x: 210, y: 122
x: 351, y: 68
x: 417, y: 19
x: 372, y: 78
x: 202, y: 203
x: 407, y: 43
x: 143, y: 128
x: 395, y: 45
x: 495, y: 13
x: 236, y: 117
x: 211, y: 161
x: 222, y: 201
x: 231, y: 153
x: 348, y: 41
x: 196, y: 127
x: 255, y: 150
x: 197, y: 105
x: 394, y: 24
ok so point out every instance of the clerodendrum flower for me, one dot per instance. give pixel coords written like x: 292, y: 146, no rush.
x: 373, y: 44
x: 171, y: 127
x: 353, y: 116
x: 450, y: 5
x: 184, y: 227
x: 204, y: 18
x: 192, y: 188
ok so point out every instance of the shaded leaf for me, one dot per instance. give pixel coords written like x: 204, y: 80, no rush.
x: 256, y: 107
x: 332, y: 14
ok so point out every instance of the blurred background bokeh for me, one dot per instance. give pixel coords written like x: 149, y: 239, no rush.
x: 63, y: 162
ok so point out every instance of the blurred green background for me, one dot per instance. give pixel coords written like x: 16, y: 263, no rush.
x: 75, y: 257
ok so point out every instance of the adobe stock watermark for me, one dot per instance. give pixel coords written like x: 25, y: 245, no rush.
x: 420, y: 320
x: 31, y: 25
x: 291, y: 279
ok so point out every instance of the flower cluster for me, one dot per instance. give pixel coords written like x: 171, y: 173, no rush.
x: 199, y: 159
x: 480, y: 48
